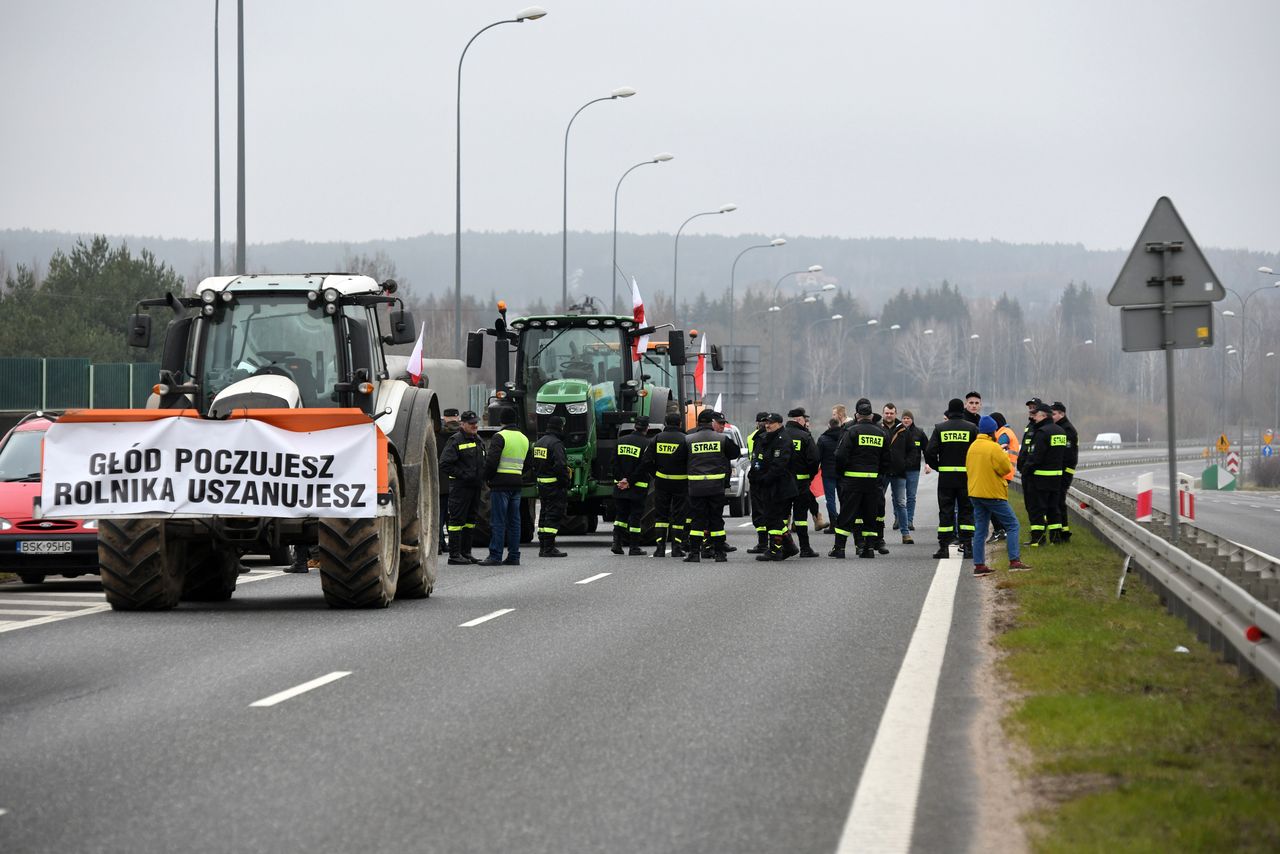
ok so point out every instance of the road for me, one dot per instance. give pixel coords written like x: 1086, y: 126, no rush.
x: 1248, y: 517
x: 664, y: 706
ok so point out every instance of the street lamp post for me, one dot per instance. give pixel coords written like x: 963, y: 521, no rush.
x: 733, y: 273
x: 613, y: 276
x: 675, y: 266
x: 1244, y: 333
x: 620, y: 92
x: 1071, y: 362
x: 532, y: 13
x: 807, y: 296
x: 817, y: 392
x: 1275, y: 423
x: 217, y: 155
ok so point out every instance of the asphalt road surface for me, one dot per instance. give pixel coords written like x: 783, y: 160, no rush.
x: 1249, y: 517
x: 663, y: 706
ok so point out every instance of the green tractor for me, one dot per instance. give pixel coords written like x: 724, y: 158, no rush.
x: 580, y: 367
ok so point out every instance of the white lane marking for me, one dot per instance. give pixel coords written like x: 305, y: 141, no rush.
x: 747, y: 525
x: 486, y: 618
x: 61, y: 603
x: 883, y: 813
x: 70, y: 595
x: 299, y: 689
x: 15, y: 612
x: 256, y: 575
x: 3, y: 811
x: 594, y: 578
x: 60, y: 615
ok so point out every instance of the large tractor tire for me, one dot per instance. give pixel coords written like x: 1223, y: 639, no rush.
x: 420, y: 524
x: 360, y: 558
x: 211, y: 575
x: 140, y: 565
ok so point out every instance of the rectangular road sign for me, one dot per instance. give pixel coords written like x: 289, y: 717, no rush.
x: 1140, y: 282
x: 1142, y: 327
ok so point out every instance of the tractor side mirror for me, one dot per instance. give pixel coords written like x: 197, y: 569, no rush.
x: 403, y: 329
x: 140, y: 330
x: 717, y: 358
x: 675, y: 348
x: 475, y: 349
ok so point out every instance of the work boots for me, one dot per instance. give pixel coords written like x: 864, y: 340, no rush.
x: 805, y: 549
x: 635, y: 550
x: 465, y: 550
x: 677, y: 548
x: 718, y: 553
x: 695, y: 550
x: 774, y: 550
x: 549, y: 547
x: 867, y: 549
x: 455, y: 551
x: 789, y: 547
x: 966, y: 549
x: 762, y: 544
x: 944, y: 550
x: 617, y: 541
x: 837, y: 549
x: 661, y: 550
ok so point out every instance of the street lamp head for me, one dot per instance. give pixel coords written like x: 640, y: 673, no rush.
x: 1026, y: 340
x: 895, y: 327
x: 816, y: 268
x: 1228, y: 313
x: 927, y: 332
x: 828, y: 287
x: 531, y: 13
x: 622, y: 92
x: 727, y: 208
x: 775, y: 308
x: 1088, y: 340
x: 810, y: 298
x: 663, y: 157
x: 872, y: 322
x: 1267, y: 270
x: 778, y: 241
x: 837, y: 317
x: 1269, y: 355
x: 975, y: 336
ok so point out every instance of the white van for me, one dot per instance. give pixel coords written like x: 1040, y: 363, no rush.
x: 1107, y: 442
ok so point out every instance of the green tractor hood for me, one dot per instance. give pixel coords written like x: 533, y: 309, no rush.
x: 564, y: 391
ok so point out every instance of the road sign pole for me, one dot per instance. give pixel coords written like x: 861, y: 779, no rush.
x: 1167, y: 285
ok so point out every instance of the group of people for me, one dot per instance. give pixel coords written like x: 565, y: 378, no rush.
x: 859, y: 459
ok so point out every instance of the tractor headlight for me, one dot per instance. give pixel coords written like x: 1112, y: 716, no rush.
x: 577, y: 408
x: 544, y: 408
x: 208, y: 296
x: 330, y: 294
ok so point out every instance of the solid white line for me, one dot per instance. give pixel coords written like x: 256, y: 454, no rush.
x: 300, y: 689
x: 14, y: 612
x: 61, y: 615
x: 70, y: 595
x: 746, y: 524
x: 594, y: 578
x: 883, y: 814
x: 61, y: 603
x: 259, y: 576
x: 486, y: 618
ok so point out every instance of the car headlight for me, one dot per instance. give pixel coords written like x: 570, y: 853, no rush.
x: 5, y: 524
x: 545, y: 408
x: 577, y: 408
x: 90, y: 524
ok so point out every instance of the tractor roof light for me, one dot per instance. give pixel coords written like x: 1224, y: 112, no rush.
x: 313, y: 296
x: 330, y: 308
x: 609, y: 321
x: 227, y: 296
x: 208, y: 296
x: 593, y: 322
x: 208, y: 310
x: 331, y: 295
x: 553, y: 323
x: 537, y: 324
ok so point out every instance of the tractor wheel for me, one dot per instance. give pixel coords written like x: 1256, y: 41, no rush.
x: 360, y: 558
x: 420, y: 526
x: 212, y: 570
x: 31, y: 577
x: 140, y: 565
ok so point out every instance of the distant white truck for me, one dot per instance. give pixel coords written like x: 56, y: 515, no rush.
x: 1107, y: 442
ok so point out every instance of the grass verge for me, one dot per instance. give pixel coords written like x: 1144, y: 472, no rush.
x: 1134, y: 747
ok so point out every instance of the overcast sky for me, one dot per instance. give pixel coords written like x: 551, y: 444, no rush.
x: 1022, y: 121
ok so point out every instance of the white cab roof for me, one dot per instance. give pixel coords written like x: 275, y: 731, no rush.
x: 344, y: 283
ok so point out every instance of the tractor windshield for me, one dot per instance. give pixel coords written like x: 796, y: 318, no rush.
x: 271, y: 334
x: 571, y: 353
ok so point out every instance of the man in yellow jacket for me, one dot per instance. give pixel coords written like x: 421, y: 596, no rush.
x: 986, y: 466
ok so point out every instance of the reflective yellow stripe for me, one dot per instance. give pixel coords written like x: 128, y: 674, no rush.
x: 1071, y: 471
x: 666, y: 476
x: 462, y: 446
x: 547, y: 479
x: 802, y: 477
x: 951, y: 468
x: 706, y: 476
x: 642, y: 484
x: 861, y: 474
x: 1047, y: 472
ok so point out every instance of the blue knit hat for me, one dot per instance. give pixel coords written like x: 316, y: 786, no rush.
x: 987, y: 425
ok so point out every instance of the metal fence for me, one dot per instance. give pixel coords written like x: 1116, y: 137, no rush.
x: 73, y: 383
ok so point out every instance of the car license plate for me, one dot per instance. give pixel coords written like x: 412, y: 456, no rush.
x: 44, y: 547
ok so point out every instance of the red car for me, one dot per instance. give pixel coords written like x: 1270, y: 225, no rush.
x: 35, y: 548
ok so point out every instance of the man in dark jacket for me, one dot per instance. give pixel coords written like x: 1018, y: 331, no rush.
x: 666, y: 463
x: 946, y: 452
x: 863, y: 457
x: 506, y: 457
x: 711, y: 457
x: 1071, y: 458
x: 774, y: 483
x: 630, y: 488
x: 1044, y: 470
x: 973, y: 408
x: 827, y: 444
x: 551, y: 469
x: 462, y: 466
x: 757, y: 502
x: 450, y: 423
x: 804, y: 465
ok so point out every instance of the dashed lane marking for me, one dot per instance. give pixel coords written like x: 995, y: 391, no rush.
x: 883, y: 815
x: 594, y: 578
x: 289, y: 693
x: 747, y: 525
x: 486, y: 618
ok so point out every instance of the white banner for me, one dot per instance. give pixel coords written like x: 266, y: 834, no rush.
x: 188, y: 466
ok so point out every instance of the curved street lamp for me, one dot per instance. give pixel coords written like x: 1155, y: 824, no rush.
x: 814, y: 268
x: 620, y: 92
x: 657, y: 158
x: 530, y: 13
x: 733, y: 273
x: 675, y: 269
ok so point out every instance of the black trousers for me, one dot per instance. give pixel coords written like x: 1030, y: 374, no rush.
x: 803, y: 505
x: 464, y: 508
x: 859, y: 504
x: 553, y: 499
x: 670, y: 510
x: 759, y: 503
x: 628, y: 511
x: 707, y: 518
x: 1031, y: 500
x: 955, y: 514
x: 1050, y: 503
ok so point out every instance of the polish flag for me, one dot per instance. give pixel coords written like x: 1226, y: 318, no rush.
x: 637, y: 313
x: 415, y: 358
x: 700, y: 370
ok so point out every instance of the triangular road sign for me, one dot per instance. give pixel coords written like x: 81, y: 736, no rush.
x: 1139, y: 280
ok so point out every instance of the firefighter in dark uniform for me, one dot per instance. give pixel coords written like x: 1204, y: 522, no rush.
x: 462, y: 465
x: 630, y: 488
x: 862, y: 458
x: 666, y: 465
x: 1045, y: 467
x: 757, y: 504
x: 551, y: 468
x: 946, y: 452
x: 805, y: 463
x: 1029, y: 498
x: 711, y: 458
x: 773, y: 484
x: 1059, y: 416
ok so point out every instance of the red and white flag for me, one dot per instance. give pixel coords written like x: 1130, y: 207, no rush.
x: 700, y: 370
x: 415, y: 358
x: 719, y: 401
x: 637, y: 313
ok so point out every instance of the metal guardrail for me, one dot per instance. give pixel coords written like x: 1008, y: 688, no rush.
x: 1226, y: 592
